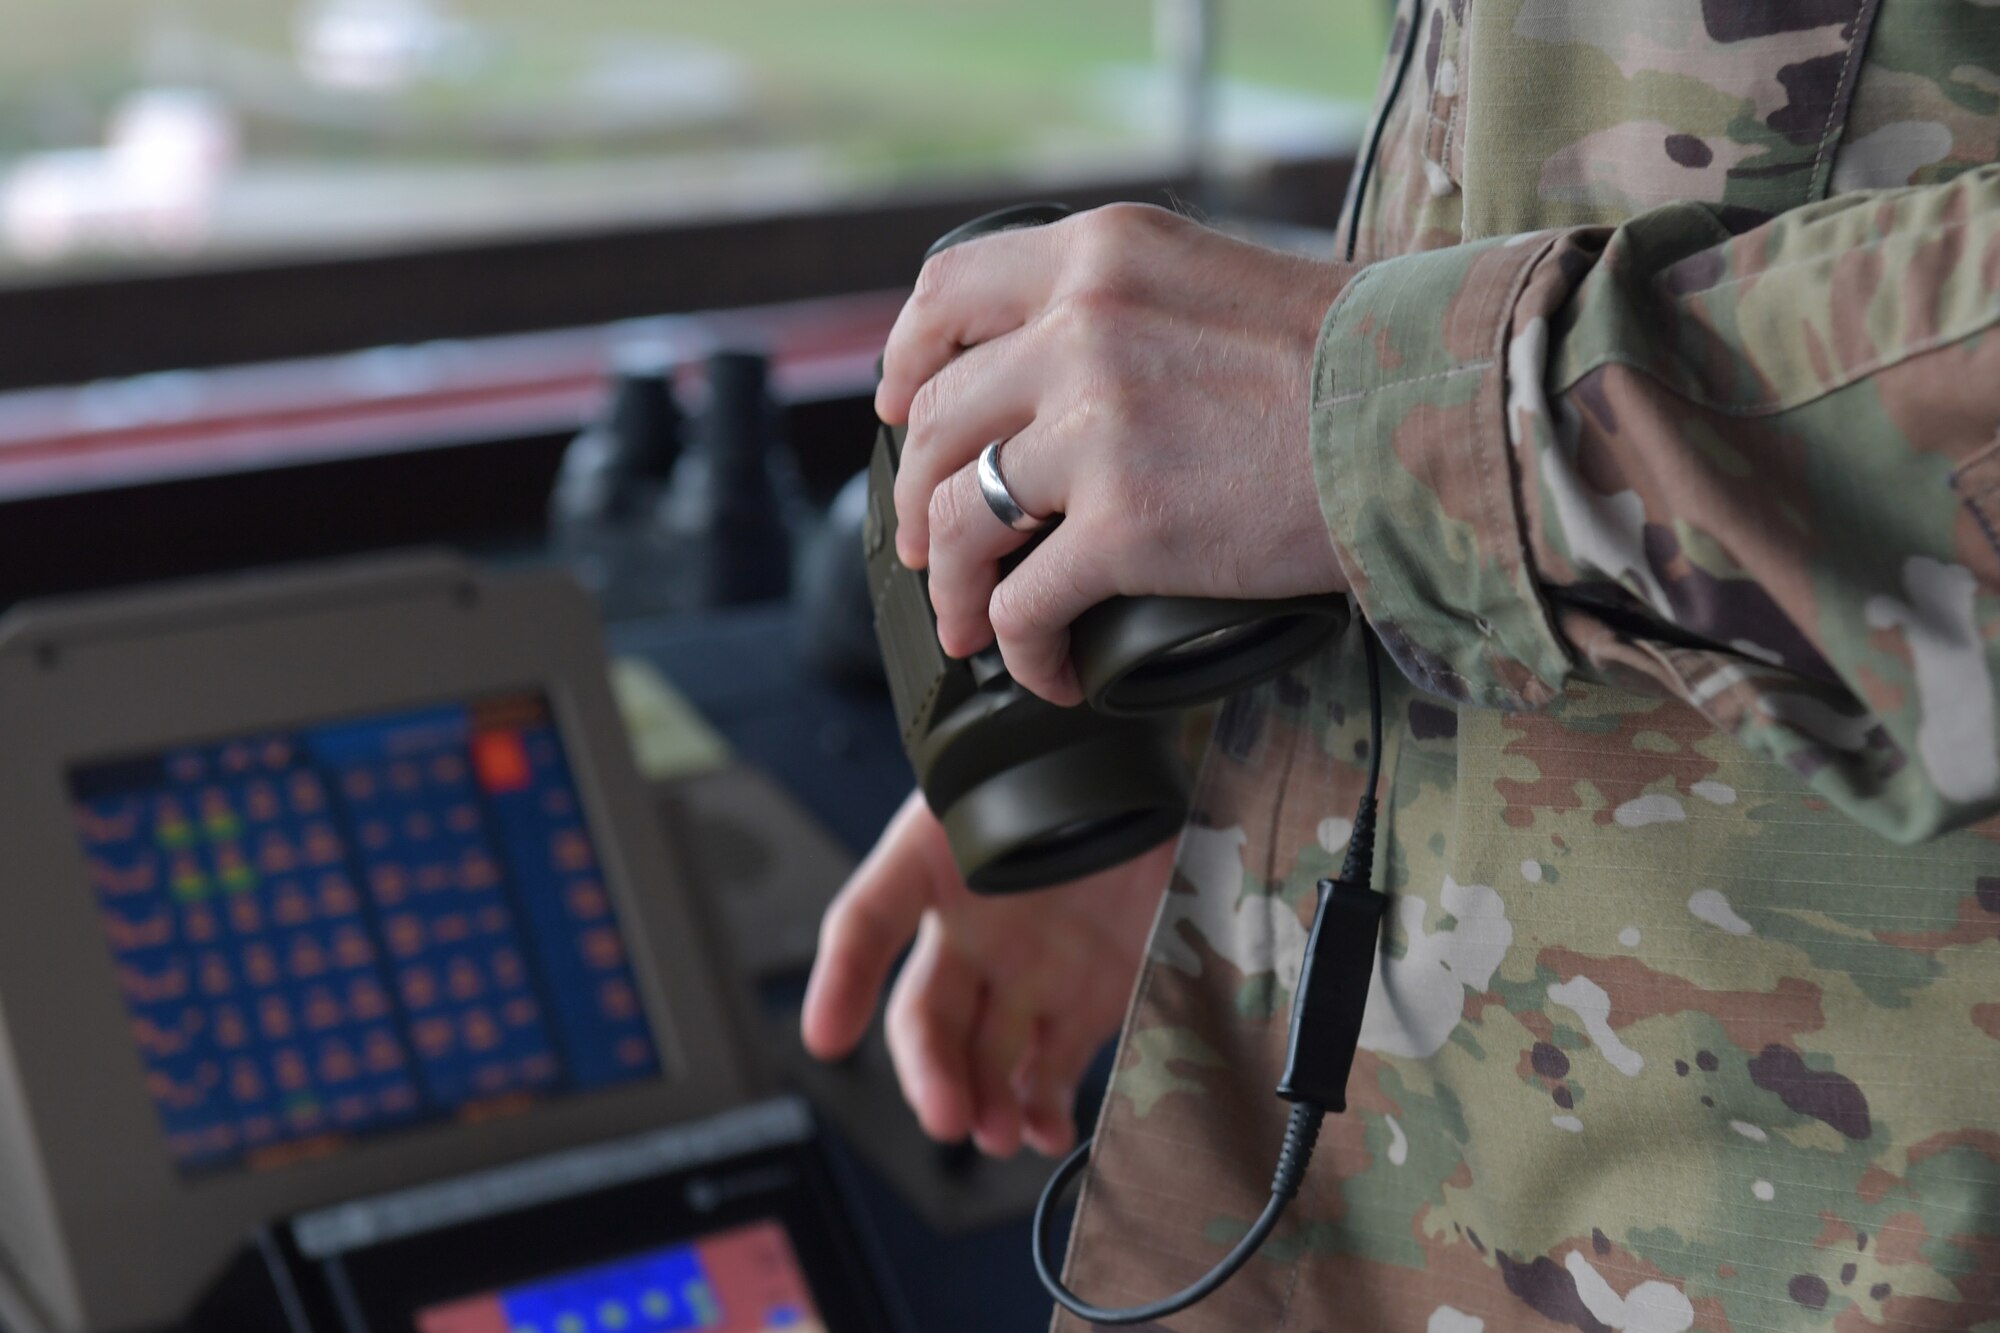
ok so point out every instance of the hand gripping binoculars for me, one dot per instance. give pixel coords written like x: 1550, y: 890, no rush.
x: 1031, y: 794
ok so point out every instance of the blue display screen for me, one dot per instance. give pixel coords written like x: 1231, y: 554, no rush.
x: 352, y: 927
x: 745, y: 1280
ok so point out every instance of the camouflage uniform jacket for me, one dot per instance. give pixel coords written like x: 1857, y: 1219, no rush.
x: 1660, y: 437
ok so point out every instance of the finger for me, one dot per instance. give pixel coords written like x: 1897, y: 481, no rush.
x: 1006, y: 1030
x: 968, y: 539
x: 1032, y: 609
x: 964, y: 296
x: 865, y: 928
x: 986, y: 393
x: 1048, y: 1089
x: 929, y: 1029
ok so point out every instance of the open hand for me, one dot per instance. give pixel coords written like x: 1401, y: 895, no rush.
x: 1151, y: 379
x: 1004, y: 1001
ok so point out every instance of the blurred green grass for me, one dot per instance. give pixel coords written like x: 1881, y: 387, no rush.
x: 903, y: 80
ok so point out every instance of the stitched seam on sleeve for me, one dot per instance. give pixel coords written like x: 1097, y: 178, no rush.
x: 1468, y: 368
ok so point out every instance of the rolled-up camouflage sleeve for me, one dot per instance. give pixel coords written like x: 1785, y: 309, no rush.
x: 1758, y: 471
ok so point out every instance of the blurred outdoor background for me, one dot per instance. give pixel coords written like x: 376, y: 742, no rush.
x: 149, y: 133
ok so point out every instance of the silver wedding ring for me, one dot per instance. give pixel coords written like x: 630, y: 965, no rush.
x: 998, y: 498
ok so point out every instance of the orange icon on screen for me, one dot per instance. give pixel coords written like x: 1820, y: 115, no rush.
x: 290, y: 1068
x: 390, y: 884
x: 477, y: 871
x: 245, y: 915
x: 507, y: 968
x: 586, y: 900
x: 420, y: 989
x: 481, y: 1032
x: 322, y: 845
x: 275, y: 1017
x: 260, y: 799
x: 107, y: 826
x: 116, y: 883
x: 366, y: 1000
x: 336, y: 1062
x: 351, y: 948
x: 275, y: 855
x: 602, y: 948
x: 571, y: 850
x: 382, y: 1053
x: 260, y: 965
x: 149, y: 933
x: 215, y: 975
x: 322, y: 1010
x: 230, y: 1029
x: 462, y: 980
x: 307, y: 958
x: 434, y: 1036
x: 616, y: 999
x: 289, y: 905
x: 406, y: 935
x: 199, y: 925
x: 307, y: 795
x: 246, y: 1083
x: 336, y: 896
x: 501, y: 761
x: 144, y: 988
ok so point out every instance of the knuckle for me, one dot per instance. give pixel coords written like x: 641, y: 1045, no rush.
x: 1008, y: 611
x: 1113, y: 227
x: 934, y: 399
x: 1088, y: 323
x: 937, y: 279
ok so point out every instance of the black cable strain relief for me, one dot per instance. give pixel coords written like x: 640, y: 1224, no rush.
x: 1301, y: 1137
x: 1359, y: 864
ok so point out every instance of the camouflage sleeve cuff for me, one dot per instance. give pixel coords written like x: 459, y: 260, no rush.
x: 1416, y: 478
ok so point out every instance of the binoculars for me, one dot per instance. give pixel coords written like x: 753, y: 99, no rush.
x: 1031, y: 794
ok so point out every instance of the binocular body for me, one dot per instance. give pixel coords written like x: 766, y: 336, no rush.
x: 1031, y: 794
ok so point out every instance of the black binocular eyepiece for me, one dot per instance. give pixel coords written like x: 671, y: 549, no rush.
x: 1031, y: 794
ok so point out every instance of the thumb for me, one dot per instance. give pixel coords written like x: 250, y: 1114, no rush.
x: 868, y: 925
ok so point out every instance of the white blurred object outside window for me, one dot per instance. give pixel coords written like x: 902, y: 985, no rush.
x: 151, y: 187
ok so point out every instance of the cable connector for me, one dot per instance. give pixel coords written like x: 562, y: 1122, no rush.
x: 1333, y: 985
